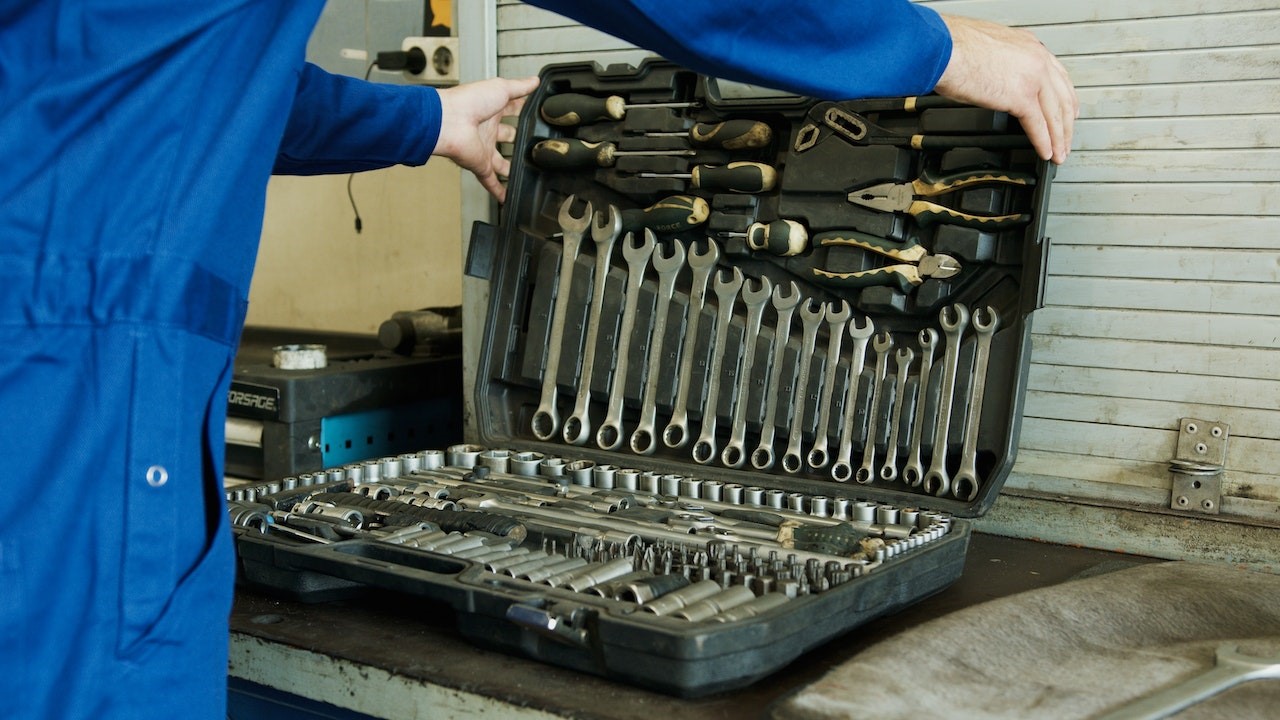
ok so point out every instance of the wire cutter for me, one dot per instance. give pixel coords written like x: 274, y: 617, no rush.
x: 905, y: 198
x: 914, y: 266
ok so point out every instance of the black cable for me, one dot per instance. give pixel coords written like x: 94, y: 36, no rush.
x: 351, y: 176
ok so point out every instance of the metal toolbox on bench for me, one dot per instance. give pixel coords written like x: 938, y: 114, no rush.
x: 737, y: 393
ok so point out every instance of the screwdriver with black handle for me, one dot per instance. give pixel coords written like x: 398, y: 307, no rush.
x: 738, y: 177
x: 729, y: 135
x: 669, y: 215
x: 572, y: 154
x: 568, y: 109
x: 780, y: 237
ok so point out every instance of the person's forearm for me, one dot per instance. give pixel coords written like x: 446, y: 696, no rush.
x: 824, y: 48
x: 340, y: 124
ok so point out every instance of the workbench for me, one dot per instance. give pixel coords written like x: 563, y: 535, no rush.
x: 391, y: 656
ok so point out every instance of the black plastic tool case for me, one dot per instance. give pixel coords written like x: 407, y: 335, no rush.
x: 821, y: 152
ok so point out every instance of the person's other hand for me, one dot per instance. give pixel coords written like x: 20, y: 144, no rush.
x: 471, y: 127
x: 1008, y: 69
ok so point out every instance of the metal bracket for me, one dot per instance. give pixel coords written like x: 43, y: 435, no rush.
x: 1196, y: 469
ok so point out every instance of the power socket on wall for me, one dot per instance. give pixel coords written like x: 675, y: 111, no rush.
x: 442, y: 60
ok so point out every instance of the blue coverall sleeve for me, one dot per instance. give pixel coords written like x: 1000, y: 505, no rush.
x: 832, y: 49
x: 340, y: 124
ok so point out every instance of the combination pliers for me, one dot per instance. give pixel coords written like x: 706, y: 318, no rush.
x: 905, y: 197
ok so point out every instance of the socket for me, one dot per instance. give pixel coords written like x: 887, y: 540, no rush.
x: 442, y: 60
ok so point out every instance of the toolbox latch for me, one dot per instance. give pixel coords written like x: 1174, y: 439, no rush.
x: 570, y: 629
x: 481, y: 250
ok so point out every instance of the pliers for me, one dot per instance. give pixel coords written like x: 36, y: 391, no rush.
x: 914, y: 266
x: 905, y: 198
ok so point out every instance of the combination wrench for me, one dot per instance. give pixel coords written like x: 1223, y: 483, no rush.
x: 836, y: 320
x: 811, y: 320
x: 842, y: 468
x: 734, y: 454
x: 882, y: 344
x: 546, y: 419
x: 965, y: 484
x: 604, y: 232
x: 936, y: 480
x: 889, y: 470
x: 913, y: 473
x: 1231, y: 667
x: 643, y: 441
x: 784, y: 306
x: 609, y: 436
x: 676, y: 433
x: 726, y: 294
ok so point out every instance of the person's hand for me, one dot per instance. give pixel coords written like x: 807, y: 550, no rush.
x: 471, y: 127
x: 1008, y: 69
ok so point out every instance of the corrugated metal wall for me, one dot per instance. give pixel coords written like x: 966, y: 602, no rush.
x: 1164, y: 294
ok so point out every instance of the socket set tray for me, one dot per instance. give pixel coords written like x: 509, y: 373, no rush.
x: 750, y: 363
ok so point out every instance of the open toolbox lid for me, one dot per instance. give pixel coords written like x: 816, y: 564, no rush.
x: 822, y: 153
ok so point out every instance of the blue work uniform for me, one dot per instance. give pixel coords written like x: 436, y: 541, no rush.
x: 136, y: 139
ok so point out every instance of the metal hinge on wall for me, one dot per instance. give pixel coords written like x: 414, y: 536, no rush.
x: 1196, y: 468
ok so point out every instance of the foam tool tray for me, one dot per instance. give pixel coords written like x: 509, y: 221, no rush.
x: 749, y: 364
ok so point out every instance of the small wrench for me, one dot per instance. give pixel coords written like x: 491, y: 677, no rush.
x: 546, y: 419
x: 913, y: 473
x: 676, y: 433
x: 836, y: 320
x: 842, y: 470
x: 604, y: 231
x: 936, y: 481
x: 811, y: 320
x: 882, y: 344
x: 783, y: 305
x: 643, y: 441
x: 889, y: 470
x: 609, y: 436
x: 734, y: 454
x: 726, y: 293
x: 1231, y: 667
x: 965, y: 484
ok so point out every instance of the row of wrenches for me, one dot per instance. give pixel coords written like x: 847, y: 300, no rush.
x: 757, y: 295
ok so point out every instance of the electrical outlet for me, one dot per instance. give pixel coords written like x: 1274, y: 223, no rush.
x: 442, y: 60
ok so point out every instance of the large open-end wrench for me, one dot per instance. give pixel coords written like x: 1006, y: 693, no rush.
x: 546, y: 419
x: 889, y: 470
x: 936, y: 480
x: 704, y: 450
x: 882, y: 344
x: 784, y: 306
x: 676, y: 433
x: 643, y: 438
x: 735, y: 454
x: 842, y: 468
x: 810, y: 320
x: 836, y: 320
x: 913, y: 473
x: 965, y: 483
x: 609, y: 436
x: 604, y: 231
x: 1231, y: 667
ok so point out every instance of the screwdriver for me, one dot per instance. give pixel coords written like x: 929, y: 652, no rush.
x: 670, y: 215
x: 729, y: 135
x: 570, y: 153
x: 780, y: 237
x: 739, y: 177
x: 568, y: 109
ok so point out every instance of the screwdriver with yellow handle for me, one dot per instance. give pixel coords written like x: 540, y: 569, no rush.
x: 570, y: 154
x: 568, y: 109
x: 738, y: 177
x: 728, y: 135
x: 780, y: 237
x: 669, y: 215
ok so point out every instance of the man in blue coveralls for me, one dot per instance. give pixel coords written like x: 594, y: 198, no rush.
x: 136, y: 139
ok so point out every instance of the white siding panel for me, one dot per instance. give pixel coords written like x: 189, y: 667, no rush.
x: 1163, y: 289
